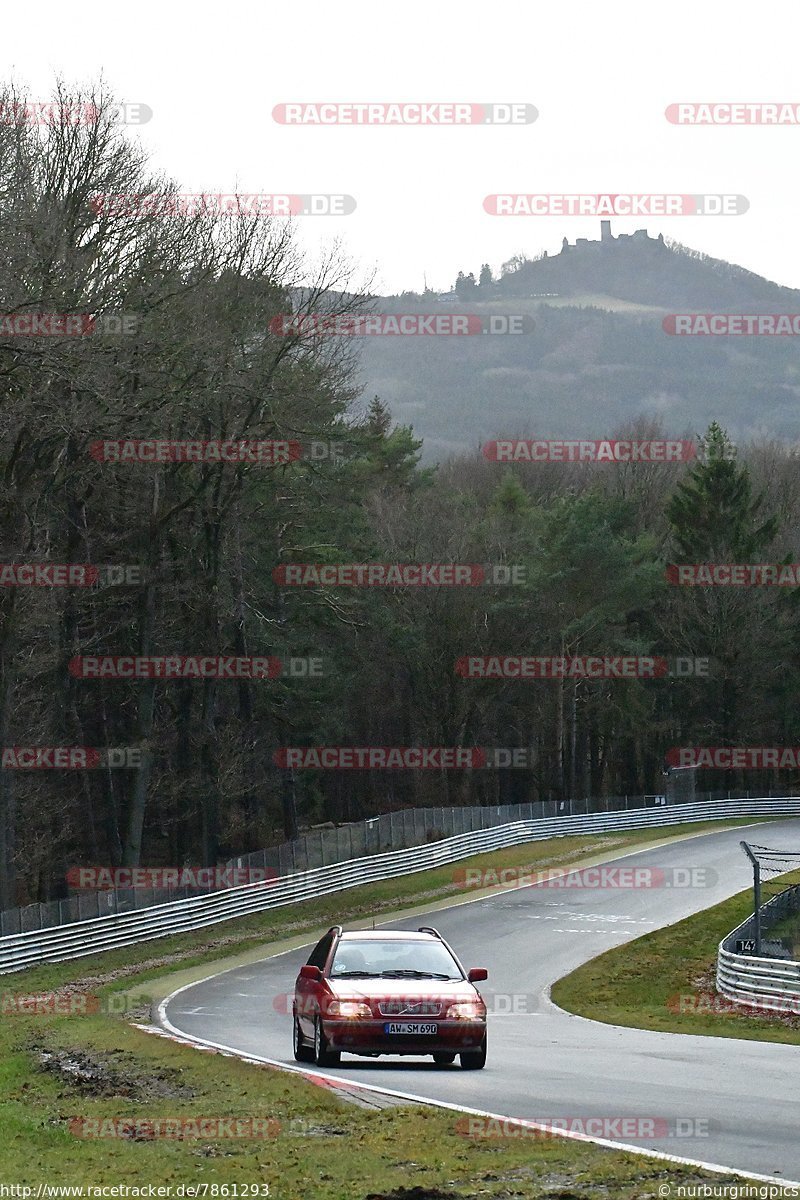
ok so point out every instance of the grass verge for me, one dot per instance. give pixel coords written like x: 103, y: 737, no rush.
x: 59, y: 1070
x: 666, y: 981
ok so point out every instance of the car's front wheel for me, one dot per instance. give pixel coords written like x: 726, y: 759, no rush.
x: 474, y: 1060
x: 323, y: 1056
x: 302, y: 1052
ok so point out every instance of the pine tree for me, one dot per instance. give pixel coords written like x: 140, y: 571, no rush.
x: 713, y: 513
x: 714, y: 517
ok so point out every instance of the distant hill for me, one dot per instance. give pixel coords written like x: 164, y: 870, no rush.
x: 642, y: 270
x: 598, y: 355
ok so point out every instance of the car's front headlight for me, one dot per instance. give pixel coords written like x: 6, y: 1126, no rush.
x: 468, y: 1010
x: 348, y: 1008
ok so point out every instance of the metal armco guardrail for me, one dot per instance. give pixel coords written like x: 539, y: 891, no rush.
x: 770, y: 983
x: 322, y: 847
x: 83, y: 938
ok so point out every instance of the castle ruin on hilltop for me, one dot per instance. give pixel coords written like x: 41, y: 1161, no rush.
x: 640, y: 236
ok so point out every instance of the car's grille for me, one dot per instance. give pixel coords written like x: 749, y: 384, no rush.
x: 405, y: 1008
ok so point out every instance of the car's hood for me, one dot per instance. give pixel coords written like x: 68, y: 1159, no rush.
x: 405, y: 989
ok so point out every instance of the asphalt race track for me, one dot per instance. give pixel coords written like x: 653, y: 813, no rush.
x: 718, y: 1100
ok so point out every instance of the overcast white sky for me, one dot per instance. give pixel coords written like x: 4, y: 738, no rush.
x: 600, y: 76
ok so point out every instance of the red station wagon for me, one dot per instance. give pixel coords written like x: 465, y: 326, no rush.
x: 373, y: 993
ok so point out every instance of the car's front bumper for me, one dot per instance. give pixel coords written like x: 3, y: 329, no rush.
x: 365, y: 1037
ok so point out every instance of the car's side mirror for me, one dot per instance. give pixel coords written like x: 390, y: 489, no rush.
x: 308, y: 972
x: 477, y: 974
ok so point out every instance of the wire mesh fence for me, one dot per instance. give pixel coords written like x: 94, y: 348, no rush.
x: 322, y: 847
x: 773, y: 901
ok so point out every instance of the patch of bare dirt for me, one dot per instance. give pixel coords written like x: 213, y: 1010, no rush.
x: 112, y: 1074
x: 415, y: 1193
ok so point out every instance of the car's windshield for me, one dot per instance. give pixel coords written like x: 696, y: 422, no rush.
x: 414, y: 959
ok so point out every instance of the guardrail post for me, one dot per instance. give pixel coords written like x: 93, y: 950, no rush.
x: 756, y: 896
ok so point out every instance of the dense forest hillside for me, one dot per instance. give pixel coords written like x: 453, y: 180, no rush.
x: 188, y: 487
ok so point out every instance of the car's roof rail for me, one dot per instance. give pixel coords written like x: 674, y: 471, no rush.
x: 337, y: 929
x: 430, y: 929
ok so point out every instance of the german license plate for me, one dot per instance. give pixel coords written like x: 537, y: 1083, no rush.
x: 414, y: 1027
